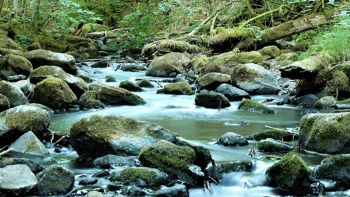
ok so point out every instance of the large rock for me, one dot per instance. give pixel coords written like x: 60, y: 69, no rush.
x: 232, y: 93
x: 289, y: 174
x: 168, y: 65
x: 77, y: 84
x: 273, y: 146
x: 115, y: 135
x: 15, y: 65
x: 17, y: 180
x: 212, y: 100
x: 42, y: 57
x: 4, y: 103
x: 111, y: 95
x: 326, y: 133
x: 211, y: 81
x: 232, y: 139
x: 178, y: 88
x: 170, y: 158
x: 8, y: 161
x: 56, y: 180
x: 14, y: 94
x: 335, y: 168
x: 21, y: 119
x: 255, y: 79
x: 254, y: 106
x: 326, y: 102
x: 141, y: 176
x: 54, y: 93
x: 130, y: 86
x: 29, y: 144
x: 90, y: 100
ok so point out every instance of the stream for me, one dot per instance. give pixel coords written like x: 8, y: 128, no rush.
x: 199, y: 125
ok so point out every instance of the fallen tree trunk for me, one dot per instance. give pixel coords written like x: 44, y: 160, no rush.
x: 245, y: 38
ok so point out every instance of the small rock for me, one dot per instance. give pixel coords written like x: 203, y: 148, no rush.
x: 88, y: 181
x: 253, y: 106
x: 110, y: 78
x: 17, y: 179
x: 56, y: 180
x: 95, y: 194
x: 211, y: 81
x: 231, y: 92
x: 113, y: 160
x: 145, y: 84
x: 272, y: 146
x: 179, y: 190
x: 177, y: 88
x: 34, y: 167
x: 306, y: 101
x: 133, y: 67
x: 233, y: 139
x: 276, y: 135
x: 212, y: 100
x: 100, y: 64
x: 128, y: 85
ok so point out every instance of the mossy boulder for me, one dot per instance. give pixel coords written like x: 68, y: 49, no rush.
x: 212, y: 100
x: 325, y: 133
x: 273, y: 146
x: 4, y: 103
x: 133, y: 67
x: 168, y: 46
x: 270, y: 51
x: 214, y: 68
x: 13, y: 93
x: 112, y: 95
x: 54, y: 93
x: 53, y: 44
x: 274, y: 134
x: 21, y: 119
x: 211, y: 81
x: 8, y: 43
x: 232, y: 139
x: 232, y: 93
x: 15, y: 65
x: 34, y: 46
x: 128, y: 85
x: 141, y: 176
x: 56, y: 180
x: 254, y: 106
x: 199, y: 62
x: 233, y: 58
x: 94, y: 27
x: 169, y: 65
x: 170, y: 158
x: 115, y: 135
x: 42, y: 57
x: 335, y: 168
x: 255, y: 79
x: 145, y: 84
x: 326, y: 102
x: 289, y: 174
x: 90, y: 100
x: 177, y: 88
x: 76, y: 84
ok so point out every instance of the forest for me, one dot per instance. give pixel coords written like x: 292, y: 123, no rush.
x: 183, y: 98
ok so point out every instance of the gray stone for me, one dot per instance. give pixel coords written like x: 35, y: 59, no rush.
x: 14, y: 94
x: 56, y: 180
x: 29, y: 144
x: 232, y: 93
x: 232, y: 139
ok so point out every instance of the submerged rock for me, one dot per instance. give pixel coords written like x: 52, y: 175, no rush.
x: 232, y: 93
x: 55, y: 180
x: 12, y: 65
x: 168, y: 65
x: 253, y: 106
x: 211, y: 81
x: 255, y: 79
x: 14, y: 94
x: 111, y: 95
x: 145, y: 84
x: 54, y: 93
x: 115, y: 135
x: 233, y: 139
x: 177, y: 88
x: 273, y: 146
x: 128, y: 85
x: 171, y: 158
x: 289, y: 174
x: 325, y: 133
x: 17, y: 180
x: 335, y: 168
x: 141, y: 176
x: 42, y: 57
x: 212, y: 100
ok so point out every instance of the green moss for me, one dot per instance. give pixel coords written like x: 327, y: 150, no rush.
x: 199, y: 62
x: 167, y: 156
x: 326, y: 102
x: 93, y: 27
x: 233, y: 58
x: 228, y: 38
x: 133, y: 175
x: 145, y: 84
x: 272, y: 51
x: 43, y: 72
x: 212, y: 80
x: 274, y: 134
x: 290, y: 173
x: 180, y: 88
x: 253, y: 106
x: 272, y: 146
x: 168, y: 64
x: 128, y: 85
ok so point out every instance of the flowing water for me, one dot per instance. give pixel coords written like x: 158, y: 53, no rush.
x: 200, y: 125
